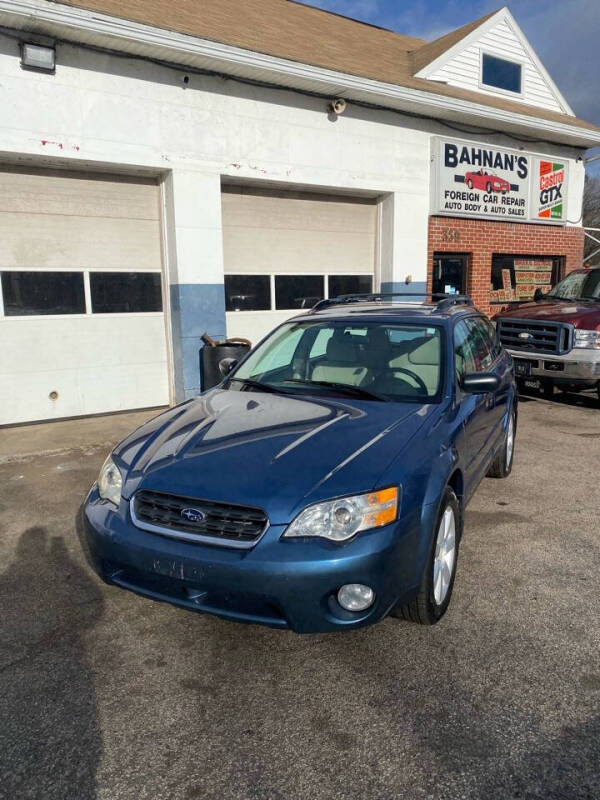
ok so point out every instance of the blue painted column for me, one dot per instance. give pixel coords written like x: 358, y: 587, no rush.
x: 196, y: 308
x: 194, y: 246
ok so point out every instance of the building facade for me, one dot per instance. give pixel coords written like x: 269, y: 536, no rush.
x: 163, y: 181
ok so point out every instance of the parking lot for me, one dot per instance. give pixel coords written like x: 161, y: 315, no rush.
x: 107, y: 695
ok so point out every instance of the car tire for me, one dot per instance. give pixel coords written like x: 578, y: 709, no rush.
x: 488, y: 187
x: 501, y: 466
x: 470, y: 184
x: 433, y: 599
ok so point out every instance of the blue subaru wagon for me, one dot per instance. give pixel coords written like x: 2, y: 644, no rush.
x: 322, y: 485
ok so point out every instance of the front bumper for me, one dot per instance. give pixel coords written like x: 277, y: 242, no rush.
x: 577, y: 365
x: 280, y: 583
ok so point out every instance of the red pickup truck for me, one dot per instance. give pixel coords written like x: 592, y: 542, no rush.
x: 555, y: 340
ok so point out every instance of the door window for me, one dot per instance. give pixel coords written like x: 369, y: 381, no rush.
x: 481, y: 344
x: 463, y: 352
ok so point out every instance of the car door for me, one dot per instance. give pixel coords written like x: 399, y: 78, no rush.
x: 486, y: 355
x: 472, y: 409
x: 501, y: 366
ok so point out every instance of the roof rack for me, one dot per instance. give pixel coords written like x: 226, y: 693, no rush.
x: 441, y: 300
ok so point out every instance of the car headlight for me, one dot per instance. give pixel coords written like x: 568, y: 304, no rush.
x: 110, y: 482
x: 587, y: 339
x: 341, y: 519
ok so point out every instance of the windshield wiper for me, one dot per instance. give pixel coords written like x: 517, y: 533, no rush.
x: 357, y: 391
x: 262, y: 387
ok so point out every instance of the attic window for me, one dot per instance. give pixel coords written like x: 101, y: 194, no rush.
x: 500, y: 73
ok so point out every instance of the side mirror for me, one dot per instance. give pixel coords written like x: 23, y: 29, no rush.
x: 538, y: 295
x: 226, y: 365
x: 480, y: 383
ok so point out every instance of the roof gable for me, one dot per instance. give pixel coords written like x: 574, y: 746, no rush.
x: 455, y: 59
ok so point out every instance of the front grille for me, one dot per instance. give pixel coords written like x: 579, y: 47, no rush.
x: 542, y: 336
x: 221, y: 523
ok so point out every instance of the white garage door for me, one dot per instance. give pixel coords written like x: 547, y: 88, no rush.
x: 284, y: 251
x: 82, y: 329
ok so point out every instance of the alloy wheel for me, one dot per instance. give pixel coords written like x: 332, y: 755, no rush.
x: 510, y: 440
x: 445, y: 555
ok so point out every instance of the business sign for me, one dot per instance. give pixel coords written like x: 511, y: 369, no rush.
x: 476, y: 180
x: 552, y: 189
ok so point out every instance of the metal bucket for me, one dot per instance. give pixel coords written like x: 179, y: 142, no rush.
x: 216, y: 359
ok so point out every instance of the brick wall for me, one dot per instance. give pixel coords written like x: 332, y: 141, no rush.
x: 480, y: 239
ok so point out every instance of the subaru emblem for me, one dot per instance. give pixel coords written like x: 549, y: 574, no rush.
x: 192, y: 514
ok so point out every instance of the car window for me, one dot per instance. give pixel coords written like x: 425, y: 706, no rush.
x: 481, y: 344
x: 283, y: 345
x: 492, y: 336
x: 463, y: 352
x: 319, y: 347
x: 395, y: 361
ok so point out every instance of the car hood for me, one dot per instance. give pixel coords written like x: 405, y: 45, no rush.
x: 582, y: 315
x: 274, y: 451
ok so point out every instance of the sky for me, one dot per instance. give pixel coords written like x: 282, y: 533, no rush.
x: 564, y: 33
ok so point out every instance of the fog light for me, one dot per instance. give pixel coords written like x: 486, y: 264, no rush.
x: 355, y: 597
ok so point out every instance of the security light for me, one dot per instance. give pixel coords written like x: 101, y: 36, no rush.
x: 37, y: 56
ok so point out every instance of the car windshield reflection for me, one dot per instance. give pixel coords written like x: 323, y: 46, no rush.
x: 372, y: 361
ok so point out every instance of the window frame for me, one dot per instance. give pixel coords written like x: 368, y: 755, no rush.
x: 556, y: 274
x: 273, y: 275
x: 88, y: 287
x: 61, y: 270
x: 490, y: 87
x: 4, y: 317
x: 267, y: 275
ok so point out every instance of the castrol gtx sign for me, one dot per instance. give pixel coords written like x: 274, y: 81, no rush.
x: 477, y: 180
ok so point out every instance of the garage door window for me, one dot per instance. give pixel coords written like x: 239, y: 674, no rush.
x: 298, y: 291
x: 247, y: 292
x: 125, y: 292
x: 33, y: 293
x: 349, y: 284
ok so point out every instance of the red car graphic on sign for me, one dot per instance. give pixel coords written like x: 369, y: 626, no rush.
x: 487, y: 181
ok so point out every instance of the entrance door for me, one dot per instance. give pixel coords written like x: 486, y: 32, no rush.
x: 449, y: 273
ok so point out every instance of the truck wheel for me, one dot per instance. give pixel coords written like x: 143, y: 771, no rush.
x: 430, y: 605
x: 501, y: 466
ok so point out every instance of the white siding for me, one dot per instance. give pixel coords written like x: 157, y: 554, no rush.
x: 464, y: 69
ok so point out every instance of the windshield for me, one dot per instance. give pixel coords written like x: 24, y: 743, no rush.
x: 372, y: 360
x: 578, y: 286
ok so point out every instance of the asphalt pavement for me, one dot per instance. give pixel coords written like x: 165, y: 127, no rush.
x: 108, y: 695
